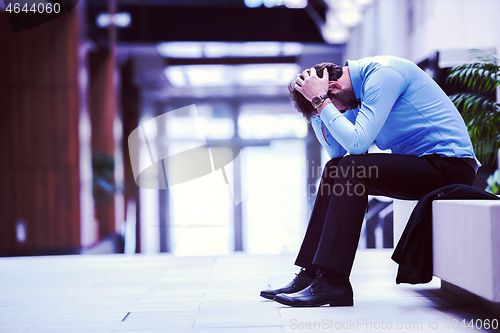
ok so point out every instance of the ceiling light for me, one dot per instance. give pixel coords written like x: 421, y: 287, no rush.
x: 176, y: 76
x: 231, y: 75
x: 121, y: 20
x: 292, y: 49
x: 248, y: 49
x: 296, y: 3
x: 335, y: 34
x: 350, y: 18
x: 253, y: 3
x: 180, y: 49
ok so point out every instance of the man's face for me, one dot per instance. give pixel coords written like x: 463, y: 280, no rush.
x: 345, y: 100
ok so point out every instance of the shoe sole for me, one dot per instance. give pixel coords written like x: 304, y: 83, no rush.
x: 268, y: 296
x: 344, y: 302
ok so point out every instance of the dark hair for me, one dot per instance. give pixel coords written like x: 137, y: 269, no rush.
x: 300, y: 102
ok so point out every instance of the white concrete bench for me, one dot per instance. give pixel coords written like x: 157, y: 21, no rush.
x: 466, y: 244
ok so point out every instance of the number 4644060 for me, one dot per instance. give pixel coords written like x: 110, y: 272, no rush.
x: 35, y: 8
x: 473, y: 324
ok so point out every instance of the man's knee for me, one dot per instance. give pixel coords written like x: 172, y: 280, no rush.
x: 358, y: 167
x: 347, y: 166
x: 352, y: 160
x: 340, y: 167
x: 330, y: 169
x: 333, y: 162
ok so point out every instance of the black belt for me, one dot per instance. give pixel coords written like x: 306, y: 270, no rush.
x: 471, y: 162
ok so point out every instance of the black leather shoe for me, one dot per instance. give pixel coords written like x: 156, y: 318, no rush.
x: 319, y: 293
x: 300, y: 282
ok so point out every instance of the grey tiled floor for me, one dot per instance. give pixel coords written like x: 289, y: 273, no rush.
x: 163, y: 293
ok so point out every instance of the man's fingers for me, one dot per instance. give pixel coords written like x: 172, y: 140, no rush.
x: 309, y: 84
x: 299, y: 80
x: 325, y: 74
x: 301, y: 90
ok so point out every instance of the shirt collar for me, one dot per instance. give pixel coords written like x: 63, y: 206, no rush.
x: 353, y: 67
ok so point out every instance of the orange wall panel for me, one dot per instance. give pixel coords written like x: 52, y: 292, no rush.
x: 39, y: 140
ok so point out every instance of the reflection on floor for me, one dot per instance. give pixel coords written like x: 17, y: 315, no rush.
x: 162, y: 293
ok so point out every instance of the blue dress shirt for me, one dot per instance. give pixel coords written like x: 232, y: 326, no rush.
x: 402, y: 109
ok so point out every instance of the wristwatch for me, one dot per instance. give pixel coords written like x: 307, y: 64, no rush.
x: 318, y: 100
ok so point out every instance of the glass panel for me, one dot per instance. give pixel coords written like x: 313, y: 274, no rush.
x: 274, y: 212
x: 201, y: 214
x: 213, y: 122
x: 270, y: 121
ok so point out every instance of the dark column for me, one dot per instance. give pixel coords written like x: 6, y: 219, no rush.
x: 130, y: 99
x: 102, y: 114
x: 39, y: 137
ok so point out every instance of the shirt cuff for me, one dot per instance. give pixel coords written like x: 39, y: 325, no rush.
x: 329, y: 113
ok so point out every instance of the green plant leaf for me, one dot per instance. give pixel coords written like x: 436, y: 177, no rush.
x: 480, y: 114
x: 483, y: 76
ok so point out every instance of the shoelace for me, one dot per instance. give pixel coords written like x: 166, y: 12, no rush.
x: 299, y: 275
x: 318, y: 282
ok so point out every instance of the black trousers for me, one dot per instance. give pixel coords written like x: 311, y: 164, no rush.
x: 334, y: 228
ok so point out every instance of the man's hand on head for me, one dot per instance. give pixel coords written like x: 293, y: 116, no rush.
x: 312, y: 85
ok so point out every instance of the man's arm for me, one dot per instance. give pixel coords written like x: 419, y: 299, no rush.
x: 382, y: 90
x: 332, y: 147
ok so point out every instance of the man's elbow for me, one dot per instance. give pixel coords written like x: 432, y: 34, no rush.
x: 358, y: 150
x: 358, y: 144
x: 339, y: 152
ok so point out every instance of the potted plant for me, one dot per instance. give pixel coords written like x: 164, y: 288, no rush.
x: 477, y: 105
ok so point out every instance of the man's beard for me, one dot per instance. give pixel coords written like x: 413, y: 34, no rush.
x: 347, y: 98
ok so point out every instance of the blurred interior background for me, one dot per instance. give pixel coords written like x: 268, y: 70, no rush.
x: 73, y: 89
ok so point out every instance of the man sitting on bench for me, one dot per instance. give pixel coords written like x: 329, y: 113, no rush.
x: 383, y: 100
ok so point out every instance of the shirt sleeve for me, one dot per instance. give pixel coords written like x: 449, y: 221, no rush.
x: 381, y: 90
x: 332, y: 147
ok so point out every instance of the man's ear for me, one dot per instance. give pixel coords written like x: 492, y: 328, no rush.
x: 334, y: 86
